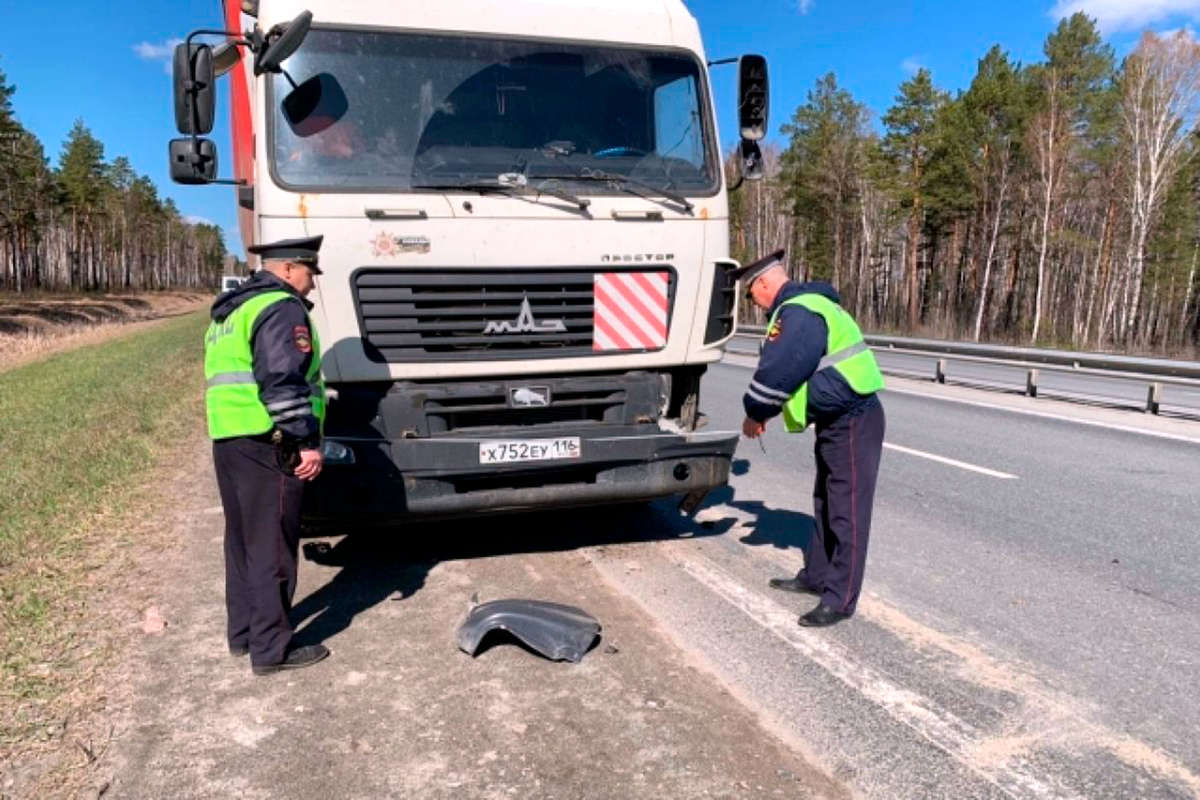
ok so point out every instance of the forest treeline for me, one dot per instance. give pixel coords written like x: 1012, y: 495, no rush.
x: 87, y: 224
x: 1052, y: 203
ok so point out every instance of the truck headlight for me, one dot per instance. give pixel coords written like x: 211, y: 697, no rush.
x: 336, y: 452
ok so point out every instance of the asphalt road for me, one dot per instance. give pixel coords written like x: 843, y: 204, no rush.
x: 1031, y: 626
x: 1084, y: 387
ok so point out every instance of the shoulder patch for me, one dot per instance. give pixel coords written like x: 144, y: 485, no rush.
x: 775, y: 330
x: 302, y: 338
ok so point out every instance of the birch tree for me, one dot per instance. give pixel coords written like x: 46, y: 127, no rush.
x: 1159, y: 106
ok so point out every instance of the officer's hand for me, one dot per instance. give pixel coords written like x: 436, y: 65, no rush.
x: 752, y: 429
x: 311, y: 462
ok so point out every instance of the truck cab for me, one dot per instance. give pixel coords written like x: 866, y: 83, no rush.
x: 525, y: 263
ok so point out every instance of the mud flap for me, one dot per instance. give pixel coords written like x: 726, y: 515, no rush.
x: 560, y: 633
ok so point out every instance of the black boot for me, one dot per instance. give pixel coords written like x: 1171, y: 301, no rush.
x: 798, y: 584
x: 296, y: 658
x: 822, y: 616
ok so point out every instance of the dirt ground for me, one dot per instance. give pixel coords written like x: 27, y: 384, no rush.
x: 398, y: 710
x: 161, y: 709
x: 34, y: 328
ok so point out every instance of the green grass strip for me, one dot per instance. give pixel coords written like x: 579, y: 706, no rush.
x: 79, y: 431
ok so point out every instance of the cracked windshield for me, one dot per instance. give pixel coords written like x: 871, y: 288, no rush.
x: 392, y: 112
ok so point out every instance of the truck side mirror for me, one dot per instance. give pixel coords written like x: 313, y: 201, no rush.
x: 286, y: 41
x: 315, y: 105
x: 195, y: 100
x: 193, y: 161
x: 752, y: 161
x: 225, y: 57
x: 753, y: 100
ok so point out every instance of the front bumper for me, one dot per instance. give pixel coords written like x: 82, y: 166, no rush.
x: 442, y: 476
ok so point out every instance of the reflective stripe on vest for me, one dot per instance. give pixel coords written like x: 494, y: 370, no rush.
x: 846, y: 352
x: 231, y: 392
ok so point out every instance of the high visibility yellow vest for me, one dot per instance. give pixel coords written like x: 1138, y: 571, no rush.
x: 845, y: 351
x: 231, y: 394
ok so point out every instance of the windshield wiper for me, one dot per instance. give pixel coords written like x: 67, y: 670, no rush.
x: 511, y: 184
x: 625, y: 184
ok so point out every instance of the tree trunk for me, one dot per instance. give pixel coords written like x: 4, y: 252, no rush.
x: 987, y: 264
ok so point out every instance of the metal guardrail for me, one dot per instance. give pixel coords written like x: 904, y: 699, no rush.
x: 1154, y: 373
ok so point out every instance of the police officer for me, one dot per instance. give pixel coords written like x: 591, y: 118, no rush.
x: 815, y: 368
x: 266, y: 404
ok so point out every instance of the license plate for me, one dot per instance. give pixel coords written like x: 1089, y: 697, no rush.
x: 511, y: 452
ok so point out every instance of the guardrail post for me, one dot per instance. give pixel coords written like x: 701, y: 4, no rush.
x: 1153, y: 398
x: 1031, y: 379
x: 939, y: 372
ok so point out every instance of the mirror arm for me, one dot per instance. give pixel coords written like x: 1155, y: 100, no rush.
x: 722, y: 61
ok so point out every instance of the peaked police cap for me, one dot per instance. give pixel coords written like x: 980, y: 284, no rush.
x: 303, y: 251
x: 752, y: 270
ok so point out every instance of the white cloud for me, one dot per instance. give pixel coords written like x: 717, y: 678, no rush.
x: 1186, y: 30
x: 804, y: 6
x: 163, y: 52
x: 1119, y: 15
x: 195, y: 220
x: 912, y: 65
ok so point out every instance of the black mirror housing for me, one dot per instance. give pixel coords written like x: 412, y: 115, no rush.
x: 753, y: 97
x: 193, y: 161
x: 753, y: 168
x: 315, y: 105
x: 284, y: 44
x: 195, y: 100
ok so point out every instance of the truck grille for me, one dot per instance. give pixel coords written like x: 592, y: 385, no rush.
x: 417, y: 409
x: 464, y: 314
x: 589, y: 404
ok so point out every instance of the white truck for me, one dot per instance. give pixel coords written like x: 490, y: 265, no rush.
x: 525, y: 262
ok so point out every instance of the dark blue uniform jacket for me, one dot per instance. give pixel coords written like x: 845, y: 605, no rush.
x: 791, y: 352
x: 283, y: 351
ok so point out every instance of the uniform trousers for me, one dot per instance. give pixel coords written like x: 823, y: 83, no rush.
x: 848, y: 451
x: 262, y: 536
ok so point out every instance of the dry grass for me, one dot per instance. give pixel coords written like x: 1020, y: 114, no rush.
x: 32, y: 328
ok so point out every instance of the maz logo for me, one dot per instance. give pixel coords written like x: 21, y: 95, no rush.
x: 530, y: 397
x: 525, y: 323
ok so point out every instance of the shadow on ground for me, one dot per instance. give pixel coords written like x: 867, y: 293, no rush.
x: 390, y: 565
x: 780, y: 528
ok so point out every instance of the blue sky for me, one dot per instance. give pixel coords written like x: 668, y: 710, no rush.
x: 107, y: 62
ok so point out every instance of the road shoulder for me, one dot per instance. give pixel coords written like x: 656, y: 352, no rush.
x: 399, y: 711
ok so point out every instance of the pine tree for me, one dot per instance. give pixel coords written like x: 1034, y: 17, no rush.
x: 907, y: 146
x: 821, y: 169
x: 81, y: 174
x: 993, y: 116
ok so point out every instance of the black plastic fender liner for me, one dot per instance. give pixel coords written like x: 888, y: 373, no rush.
x: 559, y: 632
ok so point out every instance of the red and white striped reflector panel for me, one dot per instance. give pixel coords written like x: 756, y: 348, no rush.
x: 630, y: 311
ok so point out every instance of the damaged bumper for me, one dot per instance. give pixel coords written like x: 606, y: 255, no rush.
x: 445, y: 475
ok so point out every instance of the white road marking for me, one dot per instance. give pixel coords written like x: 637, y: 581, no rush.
x: 952, y: 462
x: 949, y: 732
